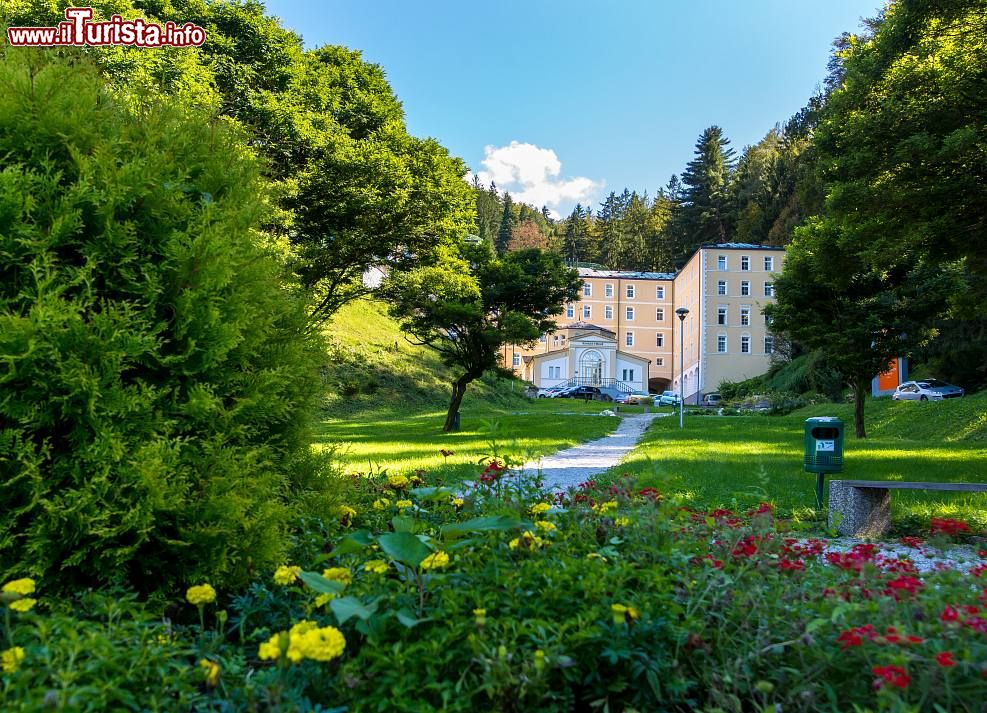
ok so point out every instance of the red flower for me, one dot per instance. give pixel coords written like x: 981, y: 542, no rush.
x: 945, y: 659
x: 446, y: 453
x: 650, y: 494
x: 906, y: 584
x: 978, y: 570
x: 492, y: 473
x: 746, y: 547
x: 947, y: 526
x: 856, y: 636
x: 721, y: 512
x: 792, y: 565
x: 949, y: 614
x: 911, y: 541
x: 762, y: 509
x: 895, y: 675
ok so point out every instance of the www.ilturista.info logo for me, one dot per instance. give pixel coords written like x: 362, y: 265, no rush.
x: 79, y: 30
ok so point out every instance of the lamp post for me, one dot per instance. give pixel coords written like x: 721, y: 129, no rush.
x: 682, y: 312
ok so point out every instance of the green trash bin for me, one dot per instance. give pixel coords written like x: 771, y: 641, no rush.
x: 823, y: 450
x: 823, y: 444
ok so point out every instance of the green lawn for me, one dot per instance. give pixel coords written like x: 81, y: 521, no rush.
x: 737, y: 461
x: 403, y: 445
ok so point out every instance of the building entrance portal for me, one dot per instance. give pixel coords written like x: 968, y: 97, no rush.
x: 591, y: 369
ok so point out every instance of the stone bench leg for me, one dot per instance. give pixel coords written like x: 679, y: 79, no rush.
x: 866, y: 512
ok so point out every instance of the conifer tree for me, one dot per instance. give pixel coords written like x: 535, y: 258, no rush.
x: 707, y: 214
x: 507, y: 223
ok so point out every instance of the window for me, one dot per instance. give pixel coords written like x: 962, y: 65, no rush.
x: 769, y: 264
x: 767, y: 320
x: 630, y: 291
x: 629, y: 339
x: 570, y: 311
x: 721, y: 315
x: 555, y: 372
x: 608, y: 312
x: 587, y: 311
x: 659, y: 293
x: 629, y: 314
x: 745, y: 262
x: 745, y: 316
x: 627, y: 375
x: 541, y: 338
x: 563, y: 338
x: 721, y: 262
x: 587, y: 289
x: 555, y: 339
x: 517, y: 360
x: 608, y: 290
x: 660, y: 314
x: 659, y: 340
x: 769, y: 289
x: 721, y: 287
x: 769, y: 344
x: 745, y: 344
x: 745, y: 289
x: 659, y: 361
x: 721, y: 343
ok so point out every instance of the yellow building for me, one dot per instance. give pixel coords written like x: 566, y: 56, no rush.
x: 630, y: 318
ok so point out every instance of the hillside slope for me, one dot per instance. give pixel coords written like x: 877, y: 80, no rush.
x: 373, y: 368
x: 955, y: 420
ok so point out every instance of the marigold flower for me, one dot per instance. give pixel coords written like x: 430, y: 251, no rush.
x: 623, y: 613
x: 527, y: 541
x: 397, y: 482
x: 211, y: 670
x: 457, y: 502
x: 539, y: 659
x: 622, y: 521
x: 481, y: 616
x: 539, y: 508
x: 23, y: 586
x: 382, y: 504
x: 10, y: 660
x: 285, y: 575
x: 201, y: 594
x: 346, y: 514
x: 404, y: 504
x: 376, y: 566
x: 323, y: 599
x: 607, y: 507
x: 436, y: 560
x: 894, y: 675
x: 270, y: 650
x: 545, y: 525
x: 23, y: 605
x: 338, y: 574
x: 309, y: 641
x: 945, y: 659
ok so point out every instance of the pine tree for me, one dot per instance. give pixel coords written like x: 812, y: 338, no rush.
x: 574, y: 236
x: 507, y: 223
x: 707, y: 213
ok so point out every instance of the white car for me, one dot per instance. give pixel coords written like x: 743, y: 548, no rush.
x: 669, y: 398
x: 926, y: 390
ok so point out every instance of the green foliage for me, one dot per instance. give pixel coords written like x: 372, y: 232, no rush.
x: 707, y: 213
x: 155, y: 381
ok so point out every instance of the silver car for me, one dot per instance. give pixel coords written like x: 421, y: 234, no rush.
x: 926, y: 390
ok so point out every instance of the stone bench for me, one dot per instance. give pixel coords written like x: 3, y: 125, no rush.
x: 865, y: 505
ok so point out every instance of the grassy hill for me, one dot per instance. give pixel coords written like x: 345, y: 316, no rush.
x: 374, y: 370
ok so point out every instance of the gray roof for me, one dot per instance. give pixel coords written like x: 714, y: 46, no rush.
x: 626, y: 274
x: 587, y: 326
x: 742, y: 246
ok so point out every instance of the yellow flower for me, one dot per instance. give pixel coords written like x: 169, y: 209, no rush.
x: 458, y: 502
x: 23, y: 605
x: 436, y: 560
x: 20, y: 586
x: 481, y: 616
x: 545, y: 525
x: 539, y: 660
x: 201, y: 594
x: 382, y: 504
x: 376, y: 566
x: 539, y: 508
x: 398, y: 482
x: 11, y: 659
x: 211, y: 669
x: 316, y: 644
x: 622, y: 521
x: 607, y: 507
x: 527, y: 541
x: 623, y: 613
x: 286, y: 575
x: 270, y: 650
x: 338, y: 574
x: 595, y: 556
x: 417, y: 480
x: 404, y: 503
x: 323, y: 599
x: 346, y: 513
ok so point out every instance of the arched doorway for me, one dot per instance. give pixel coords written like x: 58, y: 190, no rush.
x: 591, y: 368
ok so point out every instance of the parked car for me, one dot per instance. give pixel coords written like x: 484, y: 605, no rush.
x: 549, y: 392
x: 560, y: 393
x: 632, y: 397
x: 669, y: 398
x: 590, y: 393
x: 712, y: 400
x: 926, y: 390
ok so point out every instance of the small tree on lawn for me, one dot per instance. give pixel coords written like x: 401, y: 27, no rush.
x: 473, y: 303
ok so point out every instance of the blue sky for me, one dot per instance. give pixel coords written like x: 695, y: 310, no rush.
x: 566, y: 101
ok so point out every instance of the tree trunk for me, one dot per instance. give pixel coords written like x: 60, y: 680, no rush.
x: 858, y: 408
x: 458, y: 392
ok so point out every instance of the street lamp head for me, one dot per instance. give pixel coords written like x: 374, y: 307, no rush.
x: 682, y: 312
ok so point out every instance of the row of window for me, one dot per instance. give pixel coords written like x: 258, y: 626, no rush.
x: 722, y: 318
x: 631, y: 290
x: 570, y: 312
x: 745, y: 344
x: 745, y: 288
x: 745, y: 263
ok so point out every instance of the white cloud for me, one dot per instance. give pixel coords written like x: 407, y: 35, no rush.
x: 531, y: 174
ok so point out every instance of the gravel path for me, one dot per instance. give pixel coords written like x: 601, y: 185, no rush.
x: 575, y: 465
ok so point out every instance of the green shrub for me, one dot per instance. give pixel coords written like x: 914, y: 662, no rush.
x: 155, y: 383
